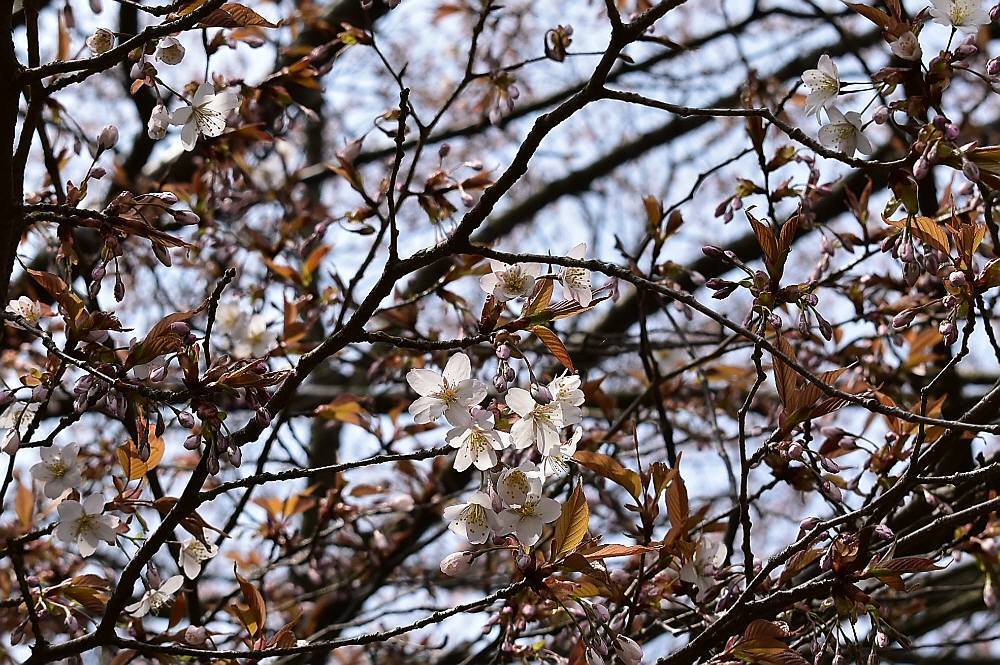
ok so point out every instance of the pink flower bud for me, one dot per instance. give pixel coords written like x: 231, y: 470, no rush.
x: 107, y: 138
x: 628, y: 650
x: 971, y: 171
x: 884, y: 532
x: 457, y: 563
x: 195, y: 635
x: 903, y: 319
x: 541, y: 394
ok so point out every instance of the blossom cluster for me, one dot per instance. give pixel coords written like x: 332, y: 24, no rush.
x: 545, y: 420
x: 544, y: 414
x: 844, y: 131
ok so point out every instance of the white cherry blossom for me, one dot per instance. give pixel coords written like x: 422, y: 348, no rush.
x: 474, y: 520
x: 159, y: 120
x: 101, y: 41
x: 170, y: 51
x: 15, y: 420
x: 230, y: 317
x: 477, y: 442
x: 907, y: 47
x: 26, y: 308
x: 156, y: 597
x: 193, y: 554
x: 206, y: 115
x: 507, y: 282
x: 86, y: 524
x: 964, y: 15
x: 516, y: 484
x: 450, y: 393
x: 255, y: 340
x: 554, y: 463
x: 566, y: 393
x: 576, y: 281
x: 527, y: 520
x: 539, y: 423
x: 844, y: 133
x: 700, y: 569
x: 59, y: 469
x: 824, y: 85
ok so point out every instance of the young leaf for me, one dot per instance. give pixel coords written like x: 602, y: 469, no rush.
x: 554, y: 345
x: 573, y: 522
x: 255, y: 602
x: 609, y: 468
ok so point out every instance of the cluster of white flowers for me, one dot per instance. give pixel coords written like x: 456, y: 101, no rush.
x: 511, y: 500
x: 507, y: 282
x: 204, y: 116
x: 844, y: 132
x: 523, y: 510
x: 249, y: 333
x: 520, y: 507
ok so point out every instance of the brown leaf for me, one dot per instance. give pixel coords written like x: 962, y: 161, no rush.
x: 128, y: 456
x: 255, y: 601
x: 677, y: 500
x: 609, y: 551
x: 609, y: 468
x: 345, y: 408
x: 235, y: 15
x: 540, y: 297
x: 768, y: 244
x: 573, y: 522
x: 554, y: 345
x: 24, y: 504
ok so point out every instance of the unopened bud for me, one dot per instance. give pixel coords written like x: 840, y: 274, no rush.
x: 884, y: 532
x: 966, y: 51
x: 195, y: 635
x: 808, y: 524
x: 713, y: 252
x: 903, y: 319
x: 971, y: 170
x: 456, y: 564
x: 795, y: 450
x: 107, y: 138
x: 541, y: 394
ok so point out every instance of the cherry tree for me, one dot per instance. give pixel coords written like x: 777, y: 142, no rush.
x: 469, y: 332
